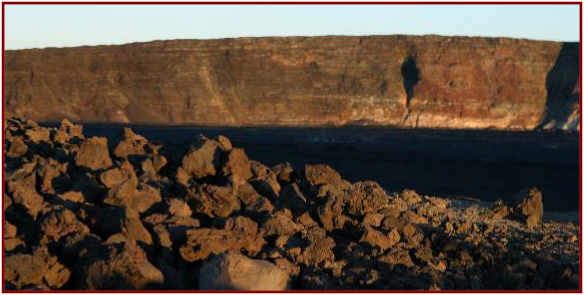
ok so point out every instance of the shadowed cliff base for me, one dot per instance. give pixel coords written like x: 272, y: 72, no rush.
x: 486, y: 165
x: 563, y: 90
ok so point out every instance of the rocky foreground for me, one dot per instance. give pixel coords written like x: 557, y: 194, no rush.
x: 85, y: 213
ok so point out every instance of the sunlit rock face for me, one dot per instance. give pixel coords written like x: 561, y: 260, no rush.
x: 404, y: 81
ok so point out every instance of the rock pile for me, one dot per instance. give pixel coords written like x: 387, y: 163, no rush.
x: 85, y: 213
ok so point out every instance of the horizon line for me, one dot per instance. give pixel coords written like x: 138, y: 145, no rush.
x: 285, y: 36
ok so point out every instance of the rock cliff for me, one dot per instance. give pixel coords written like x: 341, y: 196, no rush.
x: 405, y: 81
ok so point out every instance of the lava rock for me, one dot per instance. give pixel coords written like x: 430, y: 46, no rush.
x: 237, y: 272
x: 529, y: 204
x: 93, y: 154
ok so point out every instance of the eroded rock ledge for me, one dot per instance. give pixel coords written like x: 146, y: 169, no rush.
x: 404, y: 81
x: 85, y: 213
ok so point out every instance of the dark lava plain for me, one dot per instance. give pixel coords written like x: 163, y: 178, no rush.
x: 486, y: 164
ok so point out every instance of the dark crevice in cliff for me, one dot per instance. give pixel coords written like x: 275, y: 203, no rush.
x: 560, y: 83
x: 410, y: 76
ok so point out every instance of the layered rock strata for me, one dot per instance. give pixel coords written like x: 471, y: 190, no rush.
x: 403, y: 81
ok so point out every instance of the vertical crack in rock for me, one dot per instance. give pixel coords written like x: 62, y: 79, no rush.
x: 410, y: 75
x: 560, y: 85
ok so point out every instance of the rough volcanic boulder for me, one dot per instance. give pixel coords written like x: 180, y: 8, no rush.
x: 321, y: 174
x: 318, y: 247
x: 254, y: 202
x: 330, y: 213
x: 285, y: 172
x: 26, y: 197
x: 93, y: 154
x: 38, y: 269
x: 264, y: 180
x: 529, y: 204
x: 374, y: 238
x: 201, y: 243
x: 237, y: 166
x: 212, y: 200
x: 178, y: 207
x: 38, y: 134
x: 279, y: 224
x: 119, y: 266
x: 58, y: 223
x: 72, y: 130
x: 115, y: 176
x: 237, y: 272
x: 410, y: 196
x: 131, y: 144
x: 203, y: 159
x: 52, y: 175
x: 17, y: 148
x: 146, y: 197
x: 365, y: 196
x: 128, y: 191
x: 123, y: 193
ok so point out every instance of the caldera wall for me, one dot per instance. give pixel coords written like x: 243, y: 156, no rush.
x: 405, y: 81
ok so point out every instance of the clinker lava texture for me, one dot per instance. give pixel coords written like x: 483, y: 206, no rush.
x: 87, y: 213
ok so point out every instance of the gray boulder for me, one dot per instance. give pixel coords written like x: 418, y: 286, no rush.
x: 237, y: 272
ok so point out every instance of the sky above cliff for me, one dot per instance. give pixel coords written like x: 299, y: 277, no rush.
x: 38, y: 26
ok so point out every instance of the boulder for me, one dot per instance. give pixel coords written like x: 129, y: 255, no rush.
x: 279, y: 224
x: 58, y: 223
x: 252, y: 200
x: 178, y: 207
x: 212, y: 200
x: 36, y: 269
x: 224, y: 143
x: 331, y: 214
x: 93, y: 154
x: 203, y: 158
x: 52, y: 175
x: 73, y: 131
x: 145, y: 197
x: 17, y: 148
x: 374, y: 238
x: 321, y: 174
x: 38, y: 134
x: 26, y: 196
x: 112, y: 177
x: 131, y: 144
x: 237, y: 272
x: 123, y: 193
x: 119, y: 266
x: 318, y: 248
x: 237, y: 166
x: 364, y: 197
x: 410, y: 196
x: 528, y: 203
x: 203, y: 242
x: 265, y: 181
x: 285, y: 172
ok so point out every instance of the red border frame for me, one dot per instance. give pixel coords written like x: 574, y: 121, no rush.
x: 305, y: 3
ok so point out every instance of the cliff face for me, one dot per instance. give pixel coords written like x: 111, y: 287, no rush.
x: 408, y: 81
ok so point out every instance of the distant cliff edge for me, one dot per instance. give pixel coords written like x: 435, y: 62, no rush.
x: 402, y: 81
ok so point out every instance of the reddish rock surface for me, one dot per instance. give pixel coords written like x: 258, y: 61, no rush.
x: 93, y: 232
x: 407, y: 81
